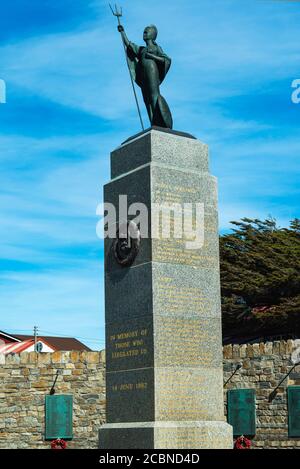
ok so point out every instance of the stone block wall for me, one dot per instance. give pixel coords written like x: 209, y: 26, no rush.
x: 25, y: 379
x: 263, y: 367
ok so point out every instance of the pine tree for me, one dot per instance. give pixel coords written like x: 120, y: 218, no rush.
x: 260, y: 278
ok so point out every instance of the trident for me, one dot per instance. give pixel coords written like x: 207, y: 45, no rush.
x: 118, y: 13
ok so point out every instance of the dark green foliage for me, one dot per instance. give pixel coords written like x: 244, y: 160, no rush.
x: 260, y: 278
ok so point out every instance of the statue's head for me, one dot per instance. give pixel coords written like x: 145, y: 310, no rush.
x: 150, y: 32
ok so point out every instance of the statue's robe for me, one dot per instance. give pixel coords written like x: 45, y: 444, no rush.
x: 162, y: 116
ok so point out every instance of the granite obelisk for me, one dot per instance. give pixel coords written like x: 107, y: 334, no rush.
x: 164, y: 376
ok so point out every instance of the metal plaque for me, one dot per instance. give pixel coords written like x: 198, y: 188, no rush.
x: 293, y: 393
x: 241, y: 411
x: 58, y: 420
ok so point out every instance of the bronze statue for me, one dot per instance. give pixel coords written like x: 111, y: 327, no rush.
x: 148, y: 66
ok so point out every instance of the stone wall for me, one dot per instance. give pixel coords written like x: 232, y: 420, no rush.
x: 263, y: 367
x: 25, y: 379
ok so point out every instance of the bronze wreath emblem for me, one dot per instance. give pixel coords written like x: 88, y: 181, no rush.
x: 127, y: 243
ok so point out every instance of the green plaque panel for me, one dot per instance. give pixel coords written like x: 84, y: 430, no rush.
x: 241, y: 411
x: 58, y: 421
x: 293, y: 393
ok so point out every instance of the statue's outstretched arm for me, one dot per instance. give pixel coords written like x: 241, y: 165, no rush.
x: 124, y: 37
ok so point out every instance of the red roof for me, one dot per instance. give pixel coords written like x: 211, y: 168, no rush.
x: 15, y: 347
x: 58, y: 343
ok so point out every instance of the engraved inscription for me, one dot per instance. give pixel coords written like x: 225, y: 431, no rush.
x: 171, y: 248
x: 130, y: 387
x: 200, y: 437
x: 182, y: 341
x: 128, y: 344
x: 184, y: 190
x: 131, y: 395
x: 175, y: 298
x: 186, y: 395
x: 174, y: 251
x: 164, y: 192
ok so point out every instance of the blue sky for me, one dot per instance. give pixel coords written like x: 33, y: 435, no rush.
x: 69, y: 103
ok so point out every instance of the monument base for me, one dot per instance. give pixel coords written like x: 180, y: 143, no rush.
x: 166, y: 435
x: 164, y: 372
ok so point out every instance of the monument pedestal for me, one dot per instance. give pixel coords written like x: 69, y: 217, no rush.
x: 166, y: 435
x: 164, y: 376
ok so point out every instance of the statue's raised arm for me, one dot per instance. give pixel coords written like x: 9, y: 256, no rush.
x: 123, y: 34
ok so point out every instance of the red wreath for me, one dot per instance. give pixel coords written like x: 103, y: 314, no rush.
x: 242, y: 443
x: 58, y: 444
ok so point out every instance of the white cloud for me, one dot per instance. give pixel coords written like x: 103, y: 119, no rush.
x: 215, y: 53
x: 48, y: 203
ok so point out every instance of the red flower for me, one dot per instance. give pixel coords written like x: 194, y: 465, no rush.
x: 242, y: 443
x: 58, y: 444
